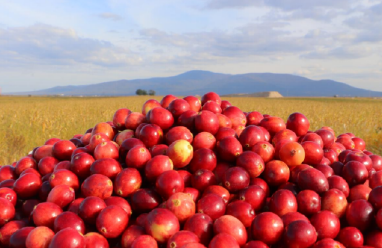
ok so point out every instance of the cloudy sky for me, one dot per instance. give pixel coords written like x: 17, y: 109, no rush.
x: 46, y: 43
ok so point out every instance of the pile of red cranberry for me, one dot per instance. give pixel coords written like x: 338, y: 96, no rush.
x: 186, y: 173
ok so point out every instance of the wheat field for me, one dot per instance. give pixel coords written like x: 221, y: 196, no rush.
x: 27, y: 122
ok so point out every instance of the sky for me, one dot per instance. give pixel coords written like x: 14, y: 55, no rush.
x: 46, y: 43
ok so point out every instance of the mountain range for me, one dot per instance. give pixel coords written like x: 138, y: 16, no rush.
x: 199, y: 82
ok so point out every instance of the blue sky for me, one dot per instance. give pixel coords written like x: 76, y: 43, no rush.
x: 47, y: 43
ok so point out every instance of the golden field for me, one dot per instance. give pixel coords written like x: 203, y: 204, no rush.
x: 26, y: 122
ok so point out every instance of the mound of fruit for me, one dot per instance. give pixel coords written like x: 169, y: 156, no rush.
x: 186, y: 173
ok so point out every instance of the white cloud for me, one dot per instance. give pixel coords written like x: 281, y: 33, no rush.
x: 44, y: 44
x: 256, y: 39
x: 289, y: 5
x: 222, y: 4
x: 320, y: 13
x: 322, y: 10
x: 343, y: 52
x: 270, y: 39
x: 111, y: 16
x: 368, y: 24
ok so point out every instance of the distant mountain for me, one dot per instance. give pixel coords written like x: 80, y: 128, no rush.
x: 200, y: 82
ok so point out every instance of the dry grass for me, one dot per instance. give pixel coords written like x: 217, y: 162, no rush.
x: 26, y: 122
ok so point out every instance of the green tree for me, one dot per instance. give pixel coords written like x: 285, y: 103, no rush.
x: 151, y: 92
x: 141, y: 92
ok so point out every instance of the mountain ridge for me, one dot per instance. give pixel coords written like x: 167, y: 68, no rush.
x: 197, y: 82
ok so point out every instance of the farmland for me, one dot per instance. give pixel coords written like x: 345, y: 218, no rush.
x: 26, y: 122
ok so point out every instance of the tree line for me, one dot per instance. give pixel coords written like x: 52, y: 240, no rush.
x: 141, y: 92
